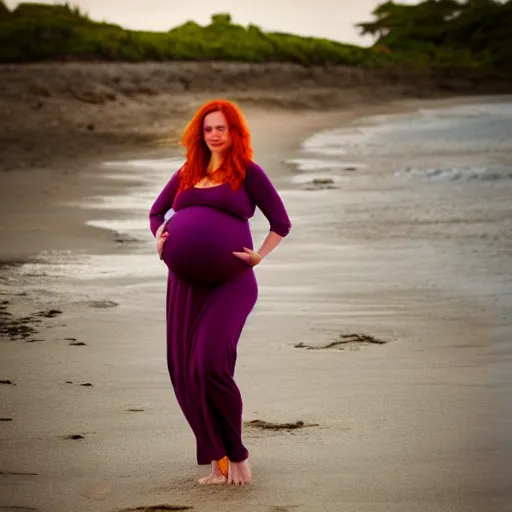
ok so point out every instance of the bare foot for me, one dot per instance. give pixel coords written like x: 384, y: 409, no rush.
x: 215, y: 477
x: 239, y: 473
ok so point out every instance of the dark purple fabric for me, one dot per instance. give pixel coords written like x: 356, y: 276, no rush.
x: 210, y: 293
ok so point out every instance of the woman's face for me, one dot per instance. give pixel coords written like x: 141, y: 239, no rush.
x: 216, y: 132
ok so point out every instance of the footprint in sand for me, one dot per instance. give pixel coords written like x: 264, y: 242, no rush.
x: 17, y: 473
x: 16, y: 508
x: 75, y: 343
x: 282, y: 508
x: 266, y: 425
x: 97, y: 491
x: 102, y: 304
x: 22, y: 327
x: 49, y: 313
x: 351, y: 341
x: 16, y: 328
x: 157, y: 508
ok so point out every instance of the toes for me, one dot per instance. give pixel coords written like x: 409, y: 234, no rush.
x: 217, y: 480
x: 237, y: 476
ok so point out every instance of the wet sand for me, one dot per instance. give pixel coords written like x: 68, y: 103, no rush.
x: 406, y: 424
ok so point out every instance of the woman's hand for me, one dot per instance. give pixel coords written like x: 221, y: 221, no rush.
x: 161, y: 237
x: 252, y: 258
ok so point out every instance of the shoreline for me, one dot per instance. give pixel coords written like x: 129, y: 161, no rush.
x: 48, y: 224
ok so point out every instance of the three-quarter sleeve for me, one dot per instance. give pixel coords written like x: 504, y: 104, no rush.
x: 163, y: 203
x: 267, y: 199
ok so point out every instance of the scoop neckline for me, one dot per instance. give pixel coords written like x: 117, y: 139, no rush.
x: 206, y: 188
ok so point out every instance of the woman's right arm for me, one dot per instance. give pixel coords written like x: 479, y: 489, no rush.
x: 163, y: 203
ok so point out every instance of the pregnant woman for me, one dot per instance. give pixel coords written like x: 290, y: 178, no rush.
x: 211, y: 289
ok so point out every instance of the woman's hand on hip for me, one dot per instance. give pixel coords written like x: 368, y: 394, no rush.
x: 252, y: 258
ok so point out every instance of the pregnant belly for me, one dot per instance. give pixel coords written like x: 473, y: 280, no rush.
x: 200, y: 245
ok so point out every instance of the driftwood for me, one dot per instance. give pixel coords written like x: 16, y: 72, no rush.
x: 344, y: 340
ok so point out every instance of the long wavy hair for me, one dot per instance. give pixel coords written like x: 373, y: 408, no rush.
x: 237, y: 156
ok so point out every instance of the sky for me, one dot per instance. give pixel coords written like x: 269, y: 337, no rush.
x: 332, y: 19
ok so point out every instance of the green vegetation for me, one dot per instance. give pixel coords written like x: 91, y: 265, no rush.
x: 36, y: 32
x: 470, y: 33
x: 467, y: 33
x: 4, y: 12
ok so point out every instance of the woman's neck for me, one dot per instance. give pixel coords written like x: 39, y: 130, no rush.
x: 214, y: 164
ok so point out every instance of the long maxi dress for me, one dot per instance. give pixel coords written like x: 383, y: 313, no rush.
x: 210, y: 293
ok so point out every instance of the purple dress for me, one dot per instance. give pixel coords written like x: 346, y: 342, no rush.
x: 210, y: 293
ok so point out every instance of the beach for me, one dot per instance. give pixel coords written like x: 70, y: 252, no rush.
x: 375, y: 368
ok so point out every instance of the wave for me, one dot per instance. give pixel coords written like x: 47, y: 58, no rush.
x: 463, y: 173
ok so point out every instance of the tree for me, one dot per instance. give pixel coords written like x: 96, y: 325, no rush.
x: 5, y: 14
x: 221, y: 19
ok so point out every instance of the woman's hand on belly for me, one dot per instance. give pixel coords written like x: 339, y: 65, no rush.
x: 252, y: 258
x: 161, y: 237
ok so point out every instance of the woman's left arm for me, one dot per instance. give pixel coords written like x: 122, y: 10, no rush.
x: 268, y: 200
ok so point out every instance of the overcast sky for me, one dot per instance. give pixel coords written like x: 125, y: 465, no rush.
x: 333, y: 19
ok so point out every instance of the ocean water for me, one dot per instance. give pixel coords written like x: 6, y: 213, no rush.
x: 433, y: 185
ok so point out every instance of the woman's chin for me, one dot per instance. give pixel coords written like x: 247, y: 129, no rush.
x: 216, y: 149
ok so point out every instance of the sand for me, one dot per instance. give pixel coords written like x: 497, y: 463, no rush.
x: 402, y: 425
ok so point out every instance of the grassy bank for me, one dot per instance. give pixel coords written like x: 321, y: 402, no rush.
x: 35, y: 32
x: 430, y: 36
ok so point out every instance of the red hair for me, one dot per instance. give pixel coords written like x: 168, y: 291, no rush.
x: 237, y: 156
